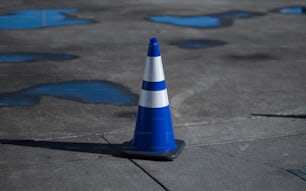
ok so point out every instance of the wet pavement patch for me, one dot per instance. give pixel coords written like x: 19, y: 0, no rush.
x: 197, y: 44
x: 301, y: 173
x: 90, y: 92
x: 292, y: 10
x: 256, y: 56
x: 34, y: 57
x: 39, y: 18
x: 204, y: 21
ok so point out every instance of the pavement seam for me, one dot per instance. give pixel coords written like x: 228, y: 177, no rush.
x: 201, y: 123
x: 189, y: 125
x: 72, y: 136
x: 141, y: 168
x: 148, y: 174
x: 180, y: 126
x: 243, y: 140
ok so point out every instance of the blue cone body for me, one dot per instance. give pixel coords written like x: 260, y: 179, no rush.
x: 153, y: 132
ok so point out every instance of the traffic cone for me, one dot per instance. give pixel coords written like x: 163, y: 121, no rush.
x: 153, y: 136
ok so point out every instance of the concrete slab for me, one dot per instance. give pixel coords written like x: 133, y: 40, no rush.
x: 229, y: 162
x: 282, y: 152
x: 65, y: 118
x: 68, y: 164
x: 203, y: 169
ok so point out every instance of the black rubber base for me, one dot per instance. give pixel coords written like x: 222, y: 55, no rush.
x: 128, y: 152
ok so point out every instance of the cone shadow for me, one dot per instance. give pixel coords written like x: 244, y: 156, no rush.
x: 98, y: 148
x: 116, y: 150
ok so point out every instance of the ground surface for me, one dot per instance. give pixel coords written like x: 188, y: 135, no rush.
x: 214, y: 93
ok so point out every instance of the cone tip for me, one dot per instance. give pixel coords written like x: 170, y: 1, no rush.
x: 153, y: 40
x: 153, y: 50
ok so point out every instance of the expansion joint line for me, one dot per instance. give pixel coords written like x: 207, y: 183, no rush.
x: 151, y: 176
x: 141, y: 168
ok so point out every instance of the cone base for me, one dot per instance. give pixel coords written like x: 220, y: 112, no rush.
x: 128, y: 152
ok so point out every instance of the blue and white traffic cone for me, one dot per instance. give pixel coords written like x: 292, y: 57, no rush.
x: 153, y: 136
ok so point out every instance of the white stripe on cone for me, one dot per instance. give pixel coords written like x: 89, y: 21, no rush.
x: 154, y: 71
x: 154, y: 99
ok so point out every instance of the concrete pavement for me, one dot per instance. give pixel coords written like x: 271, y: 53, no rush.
x: 221, y: 97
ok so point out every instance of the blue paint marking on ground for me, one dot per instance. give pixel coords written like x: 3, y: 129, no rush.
x: 293, y: 10
x: 301, y: 173
x: 197, y: 44
x: 34, y: 57
x: 204, y: 21
x: 91, y: 92
x: 39, y: 18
